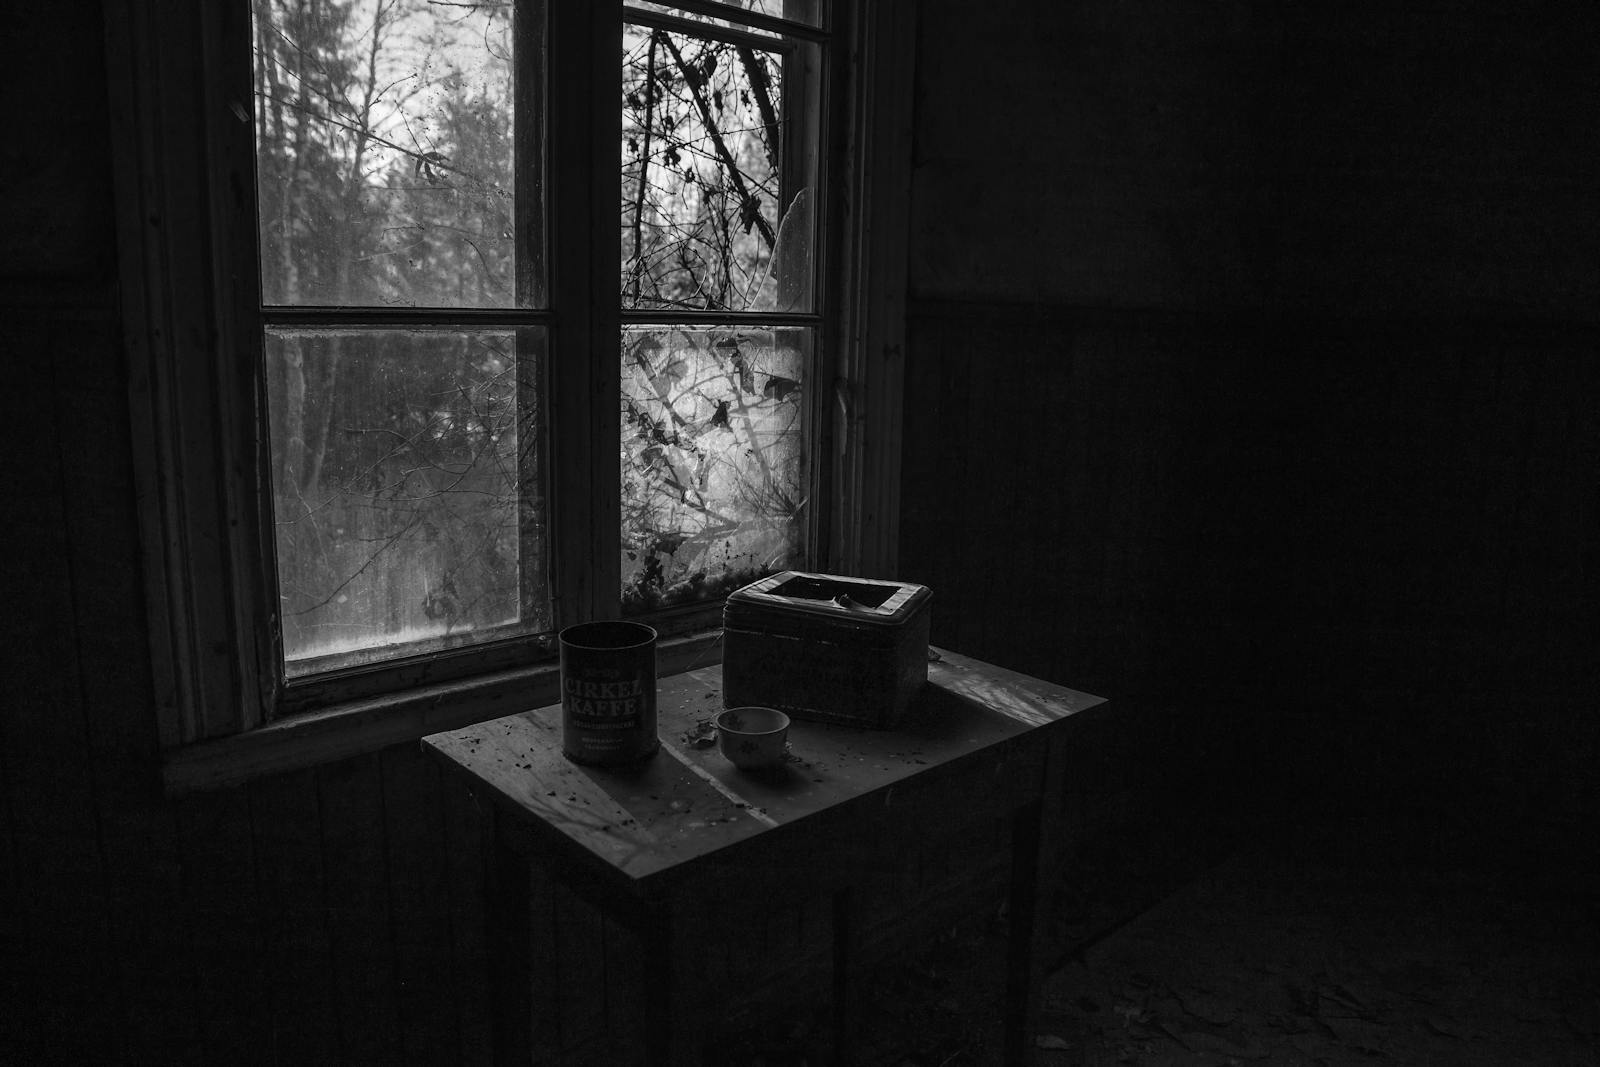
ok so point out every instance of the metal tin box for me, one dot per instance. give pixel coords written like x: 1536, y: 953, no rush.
x: 826, y: 648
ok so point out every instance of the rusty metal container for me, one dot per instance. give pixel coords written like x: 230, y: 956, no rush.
x: 826, y: 648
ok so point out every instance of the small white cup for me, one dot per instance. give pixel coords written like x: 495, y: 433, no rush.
x: 752, y: 737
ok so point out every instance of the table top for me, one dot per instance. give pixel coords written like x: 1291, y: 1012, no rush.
x: 688, y: 801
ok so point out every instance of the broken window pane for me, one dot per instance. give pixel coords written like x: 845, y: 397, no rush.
x: 708, y: 204
x: 713, y: 460
x: 406, y: 490
x: 384, y: 152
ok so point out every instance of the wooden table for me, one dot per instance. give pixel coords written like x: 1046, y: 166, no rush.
x: 701, y: 863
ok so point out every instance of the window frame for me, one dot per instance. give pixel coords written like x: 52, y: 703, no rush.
x: 182, y: 133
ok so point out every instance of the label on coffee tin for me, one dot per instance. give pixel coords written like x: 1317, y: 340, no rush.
x: 608, y: 705
x: 609, y: 716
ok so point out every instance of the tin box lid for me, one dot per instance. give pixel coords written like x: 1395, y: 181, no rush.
x: 830, y: 596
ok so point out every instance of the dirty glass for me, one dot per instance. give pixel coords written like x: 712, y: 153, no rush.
x: 406, y: 496
x: 384, y: 152
x: 713, y: 460
x: 711, y: 218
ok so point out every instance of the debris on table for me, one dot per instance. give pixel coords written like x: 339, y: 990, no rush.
x: 703, y: 734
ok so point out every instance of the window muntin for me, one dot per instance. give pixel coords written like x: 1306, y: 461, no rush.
x: 750, y: 16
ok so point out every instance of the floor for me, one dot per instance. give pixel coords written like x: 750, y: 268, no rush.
x: 1302, y: 960
x: 1318, y: 949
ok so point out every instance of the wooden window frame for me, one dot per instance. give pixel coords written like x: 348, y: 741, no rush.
x: 181, y: 129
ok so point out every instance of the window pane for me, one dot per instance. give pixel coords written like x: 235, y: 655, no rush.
x: 406, y: 491
x: 712, y: 217
x: 713, y: 460
x: 384, y: 150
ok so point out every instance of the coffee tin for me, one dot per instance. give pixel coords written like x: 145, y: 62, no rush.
x: 608, y: 693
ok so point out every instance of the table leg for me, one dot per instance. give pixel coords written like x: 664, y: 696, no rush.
x: 1022, y: 956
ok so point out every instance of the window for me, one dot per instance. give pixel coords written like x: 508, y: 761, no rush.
x: 454, y: 324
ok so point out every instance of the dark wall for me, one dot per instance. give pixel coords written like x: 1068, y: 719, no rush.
x: 1253, y: 385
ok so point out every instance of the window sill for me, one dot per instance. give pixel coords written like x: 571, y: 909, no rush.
x: 367, y: 725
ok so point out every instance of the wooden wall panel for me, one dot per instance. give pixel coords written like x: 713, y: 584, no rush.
x: 355, y: 865
x: 221, y: 903
x: 11, y: 879
x: 153, y: 936
x: 419, y: 907
x: 53, y: 937
x: 1327, y: 557
x: 286, y: 836
x: 466, y: 829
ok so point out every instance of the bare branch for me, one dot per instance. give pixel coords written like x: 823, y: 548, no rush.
x: 749, y: 204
